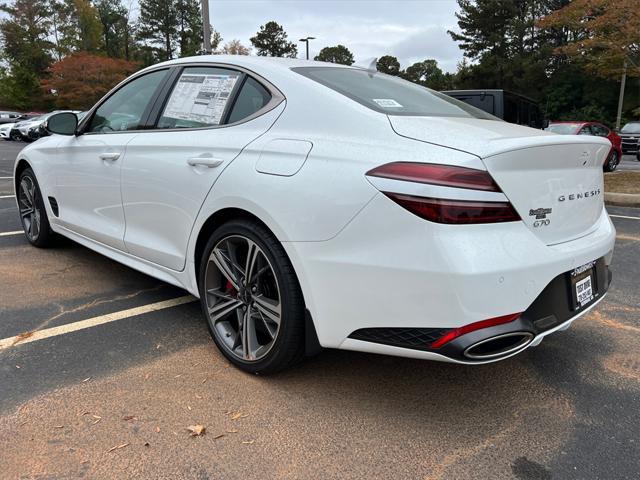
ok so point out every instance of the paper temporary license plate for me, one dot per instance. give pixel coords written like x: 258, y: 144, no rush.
x: 583, y: 287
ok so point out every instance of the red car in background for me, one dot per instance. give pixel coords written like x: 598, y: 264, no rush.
x: 596, y: 129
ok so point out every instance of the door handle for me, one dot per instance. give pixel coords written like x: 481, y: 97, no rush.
x: 110, y: 156
x: 209, y: 162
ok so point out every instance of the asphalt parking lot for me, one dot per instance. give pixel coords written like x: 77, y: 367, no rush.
x: 115, y: 400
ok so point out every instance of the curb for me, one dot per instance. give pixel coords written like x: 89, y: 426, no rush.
x: 622, y: 199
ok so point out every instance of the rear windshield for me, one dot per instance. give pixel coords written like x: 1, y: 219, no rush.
x: 390, y: 95
x: 563, y: 128
x: 631, y: 128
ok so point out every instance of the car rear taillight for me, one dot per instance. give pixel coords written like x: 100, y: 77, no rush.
x: 444, y: 175
x: 456, y: 211
x: 450, y: 210
x: 472, y: 327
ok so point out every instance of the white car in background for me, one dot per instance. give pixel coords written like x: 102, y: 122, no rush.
x: 5, y: 130
x: 309, y: 204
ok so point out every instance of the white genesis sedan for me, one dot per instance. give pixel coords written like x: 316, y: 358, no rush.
x: 315, y: 205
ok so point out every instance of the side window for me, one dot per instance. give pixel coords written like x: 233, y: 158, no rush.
x: 600, y: 130
x: 251, y: 98
x: 586, y: 130
x: 199, y: 98
x: 124, y: 109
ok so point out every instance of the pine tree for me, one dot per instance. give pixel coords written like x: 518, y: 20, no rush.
x: 27, y: 50
x: 389, y: 65
x: 158, y: 26
x: 189, y: 27
x: 338, y: 54
x: 271, y: 41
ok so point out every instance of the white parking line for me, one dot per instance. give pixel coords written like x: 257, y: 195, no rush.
x: 625, y: 216
x: 6, y: 178
x: 92, y: 322
x: 6, y: 234
x: 7, y: 196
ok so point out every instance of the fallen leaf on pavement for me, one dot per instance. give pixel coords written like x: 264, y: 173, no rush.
x: 23, y: 336
x: 86, y: 379
x: 248, y: 442
x: 218, y: 436
x: 238, y: 415
x: 59, y: 426
x: 157, y: 429
x: 128, y: 418
x: 147, y: 444
x: 232, y: 431
x: 196, y: 430
x: 204, y: 381
x: 117, y: 447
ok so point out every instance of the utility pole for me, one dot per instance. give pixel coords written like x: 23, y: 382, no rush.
x: 621, y: 97
x: 306, y: 41
x: 206, y: 27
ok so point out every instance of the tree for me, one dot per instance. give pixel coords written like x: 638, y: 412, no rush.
x: 604, y: 34
x: 116, y: 30
x: 234, y: 47
x: 77, y: 26
x: 426, y: 73
x: 158, y: 26
x: 389, y: 65
x: 80, y: 79
x: 189, y: 27
x: 338, y: 54
x: 27, y: 50
x: 271, y: 41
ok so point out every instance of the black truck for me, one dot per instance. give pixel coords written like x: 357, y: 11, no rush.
x: 510, y: 107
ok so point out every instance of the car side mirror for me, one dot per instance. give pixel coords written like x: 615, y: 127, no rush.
x: 64, y: 123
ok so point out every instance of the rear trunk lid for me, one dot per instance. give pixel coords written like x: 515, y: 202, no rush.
x: 555, y: 182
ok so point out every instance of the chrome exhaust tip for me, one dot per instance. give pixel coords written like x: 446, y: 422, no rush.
x: 499, y: 346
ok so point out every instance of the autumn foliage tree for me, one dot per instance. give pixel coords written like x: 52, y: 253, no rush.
x: 602, y: 33
x: 80, y: 79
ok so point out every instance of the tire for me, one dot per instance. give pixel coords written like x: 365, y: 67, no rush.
x: 258, y: 324
x: 15, y: 137
x: 33, y: 214
x: 612, y: 161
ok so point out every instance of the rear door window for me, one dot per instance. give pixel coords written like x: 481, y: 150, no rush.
x: 252, y: 98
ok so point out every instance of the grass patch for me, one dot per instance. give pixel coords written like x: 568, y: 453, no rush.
x: 622, y: 182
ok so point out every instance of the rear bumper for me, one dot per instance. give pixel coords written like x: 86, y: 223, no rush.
x: 391, y: 269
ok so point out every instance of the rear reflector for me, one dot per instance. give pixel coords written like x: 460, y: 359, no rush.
x: 472, y: 327
x: 464, y: 212
x: 444, y: 175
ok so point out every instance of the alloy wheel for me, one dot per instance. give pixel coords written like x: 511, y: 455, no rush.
x: 243, y: 298
x: 613, y: 161
x: 29, y: 211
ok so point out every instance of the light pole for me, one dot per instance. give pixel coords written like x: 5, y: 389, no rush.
x: 306, y: 41
x: 206, y: 27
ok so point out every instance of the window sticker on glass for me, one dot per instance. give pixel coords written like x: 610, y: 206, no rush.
x: 200, y: 98
x: 387, y: 102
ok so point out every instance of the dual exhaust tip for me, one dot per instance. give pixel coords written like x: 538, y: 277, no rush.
x: 499, y: 346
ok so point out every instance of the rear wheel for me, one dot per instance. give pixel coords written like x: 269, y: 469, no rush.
x: 33, y: 214
x: 15, y: 136
x: 251, y: 298
x: 612, y: 161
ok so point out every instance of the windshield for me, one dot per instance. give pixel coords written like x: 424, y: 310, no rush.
x: 563, y: 128
x: 390, y: 95
x: 631, y: 128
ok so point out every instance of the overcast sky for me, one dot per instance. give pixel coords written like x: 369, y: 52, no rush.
x: 411, y: 30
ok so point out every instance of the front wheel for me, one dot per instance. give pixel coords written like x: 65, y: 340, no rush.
x: 15, y: 136
x: 612, y: 161
x: 251, y: 298
x: 33, y: 214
